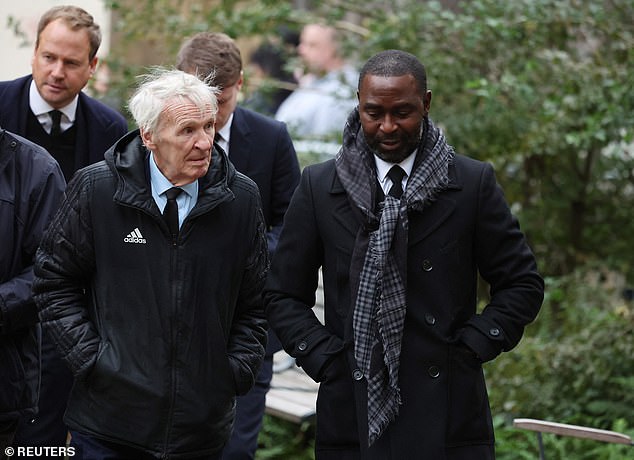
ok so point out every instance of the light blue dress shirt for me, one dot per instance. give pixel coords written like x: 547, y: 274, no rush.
x: 185, y: 201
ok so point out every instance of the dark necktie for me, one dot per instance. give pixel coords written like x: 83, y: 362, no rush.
x: 56, y: 128
x: 396, y: 175
x: 170, y: 213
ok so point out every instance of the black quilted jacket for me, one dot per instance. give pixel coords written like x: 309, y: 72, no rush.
x: 161, y: 335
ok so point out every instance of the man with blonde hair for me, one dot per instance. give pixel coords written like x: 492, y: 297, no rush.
x: 149, y: 280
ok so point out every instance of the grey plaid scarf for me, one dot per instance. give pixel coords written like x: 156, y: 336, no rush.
x: 380, y: 307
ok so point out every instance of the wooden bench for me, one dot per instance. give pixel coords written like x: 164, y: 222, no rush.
x: 576, y: 431
x: 293, y: 394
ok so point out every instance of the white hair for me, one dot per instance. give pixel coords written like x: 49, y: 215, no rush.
x: 162, y: 85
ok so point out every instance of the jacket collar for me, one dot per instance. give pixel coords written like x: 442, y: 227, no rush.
x: 127, y: 159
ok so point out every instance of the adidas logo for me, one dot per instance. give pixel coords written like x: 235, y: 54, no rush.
x: 135, y: 237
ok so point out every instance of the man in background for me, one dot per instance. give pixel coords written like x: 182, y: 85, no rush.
x: 31, y: 187
x: 270, y: 72
x: 271, y: 81
x: 260, y: 148
x: 49, y: 108
x: 318, y: 108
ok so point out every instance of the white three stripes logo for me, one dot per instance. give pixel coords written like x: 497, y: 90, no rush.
x: 135, y: 237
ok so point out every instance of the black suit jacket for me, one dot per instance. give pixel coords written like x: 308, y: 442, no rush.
x: 98, y: 126
x: 261, y: 148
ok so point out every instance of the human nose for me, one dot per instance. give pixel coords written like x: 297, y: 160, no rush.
x: 204, y: 141
x: 301, y: 50
x: 57, y: 70
x: 388, y: 125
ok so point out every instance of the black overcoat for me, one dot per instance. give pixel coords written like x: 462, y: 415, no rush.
x: 467, y: 230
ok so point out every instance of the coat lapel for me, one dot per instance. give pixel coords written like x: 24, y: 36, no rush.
x: 342, y: 211
x: 422, y: 224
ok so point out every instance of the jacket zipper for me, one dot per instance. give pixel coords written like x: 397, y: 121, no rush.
x: 173, y: 341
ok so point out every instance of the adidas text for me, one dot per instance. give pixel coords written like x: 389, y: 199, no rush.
x: 135, y: 237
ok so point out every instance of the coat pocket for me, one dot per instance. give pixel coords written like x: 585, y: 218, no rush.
x: 337, y: 421
x: 469, y: 416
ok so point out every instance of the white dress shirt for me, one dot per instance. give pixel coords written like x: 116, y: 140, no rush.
x: 225, y: 134
x: 383, y: 167
x: 41, y: 109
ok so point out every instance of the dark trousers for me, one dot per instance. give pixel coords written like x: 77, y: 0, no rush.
x: 47, y: 428
x: 91, y: 448
x: 7, y: 430
x: 250, y: 410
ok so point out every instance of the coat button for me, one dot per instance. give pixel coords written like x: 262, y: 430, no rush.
x: 302, y: 346
x: 357, y: 374
x: 434, y: 372
x: 427, y: 266
x: 429, y: 319
x: 494, y: 331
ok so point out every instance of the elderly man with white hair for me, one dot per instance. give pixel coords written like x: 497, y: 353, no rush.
x: 150, y: 279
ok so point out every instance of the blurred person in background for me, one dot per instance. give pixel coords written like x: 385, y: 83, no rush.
x: 271, y: 72
x: 271, y: 81
x: 318, y: 108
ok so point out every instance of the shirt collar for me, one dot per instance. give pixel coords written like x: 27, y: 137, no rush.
x: 225, y: 131
x: 160, y: 184
x: 383, y: 167
x: 40, y: 107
